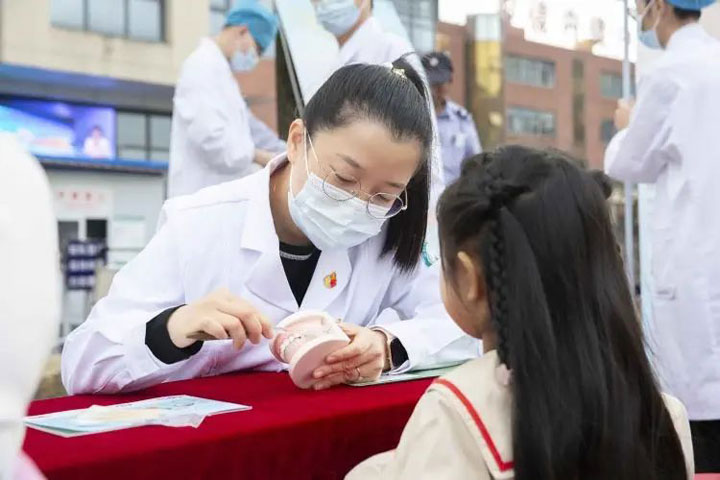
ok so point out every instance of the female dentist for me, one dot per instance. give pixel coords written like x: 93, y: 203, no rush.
x: 336, y: 224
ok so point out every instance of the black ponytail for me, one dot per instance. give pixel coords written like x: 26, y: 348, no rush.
x: 586, y: 404
x: 395, y: 97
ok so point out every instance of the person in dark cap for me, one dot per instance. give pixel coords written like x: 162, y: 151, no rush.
x: 456, y: 128
x: 670, y: 139
x: 212, y: 139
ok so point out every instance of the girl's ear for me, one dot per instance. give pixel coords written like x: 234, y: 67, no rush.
x: 471, y: 283
x: 295, y: 142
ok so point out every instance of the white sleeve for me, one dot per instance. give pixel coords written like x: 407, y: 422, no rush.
x: 209, y: 128
x: 644, y: 149
x: 29, y: 290
x: 107, y: 353
x: 430, y: 337
x: 264, y: 137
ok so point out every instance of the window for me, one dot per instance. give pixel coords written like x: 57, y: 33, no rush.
x: 218, y: 11
x: 525, y: 121
x: 611, y: 85
x: 607, y: 130
x: 142, y: 136
x: 419, y: 18
x: 528, y: 71
x: 134, y: 19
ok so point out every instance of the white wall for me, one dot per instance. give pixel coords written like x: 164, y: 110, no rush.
x: 132, y: 195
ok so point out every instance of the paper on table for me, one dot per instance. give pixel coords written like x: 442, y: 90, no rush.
x: 406, y: 377
x: 172, y: 411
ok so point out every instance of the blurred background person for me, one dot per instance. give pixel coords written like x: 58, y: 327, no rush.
x: 360, y: 36
x: 211, y: 135
x: 96, y: 144
x: 670, y: 140
x: 456, y: 127
x: 29, y: 296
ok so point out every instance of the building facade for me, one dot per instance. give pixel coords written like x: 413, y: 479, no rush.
x: 538, y: 94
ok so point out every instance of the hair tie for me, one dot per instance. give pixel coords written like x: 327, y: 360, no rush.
x: 396, y: 70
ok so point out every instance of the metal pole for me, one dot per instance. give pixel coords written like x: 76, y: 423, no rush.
x: 629, y: 187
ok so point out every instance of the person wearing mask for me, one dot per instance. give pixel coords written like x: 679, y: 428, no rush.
x: 336, y: 224
x: 564, y: 389
x: 670, y: 139
x: 29, y: 296
x: 211, y: 138
x: 456, y: 127
x: 360, y: 36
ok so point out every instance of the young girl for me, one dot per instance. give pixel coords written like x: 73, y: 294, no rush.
x: 564, y: 390
x: 335, y: 224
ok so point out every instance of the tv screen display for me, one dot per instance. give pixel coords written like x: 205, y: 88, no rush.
x: 60, y: 129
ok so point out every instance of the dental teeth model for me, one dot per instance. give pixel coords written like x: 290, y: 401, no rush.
x: 304, y: 340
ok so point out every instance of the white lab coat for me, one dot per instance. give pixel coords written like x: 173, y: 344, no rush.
x: 224, y: 236
x: 211, y: 141
x: 672, y: 141
x: 29, y: 291
x: 371, y: 44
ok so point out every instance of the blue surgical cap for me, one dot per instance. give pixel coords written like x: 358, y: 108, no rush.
x: 259, y: 19
x: 691, y: 4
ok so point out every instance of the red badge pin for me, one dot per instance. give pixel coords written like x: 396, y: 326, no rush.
x: 331, y: 280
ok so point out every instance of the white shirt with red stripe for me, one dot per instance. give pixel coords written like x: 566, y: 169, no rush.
x: 462, y: 429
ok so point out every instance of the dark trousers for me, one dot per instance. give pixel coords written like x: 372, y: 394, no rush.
x: 706, y: 444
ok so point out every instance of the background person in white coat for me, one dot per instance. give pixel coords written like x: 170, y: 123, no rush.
x: 29, y: 296
x: 337, y: 224
x: 211, y: 138
x: 671, y: 141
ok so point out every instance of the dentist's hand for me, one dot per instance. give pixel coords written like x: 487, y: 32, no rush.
x: 218, y: 316
x: 364, y: 359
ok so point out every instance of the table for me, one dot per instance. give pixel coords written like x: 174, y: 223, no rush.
x: 289, y: 434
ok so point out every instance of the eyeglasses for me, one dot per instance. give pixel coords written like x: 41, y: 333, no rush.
x: 343, y: 187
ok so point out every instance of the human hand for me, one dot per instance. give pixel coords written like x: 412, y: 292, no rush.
x: 262, y: 157
x: 623, y: 113
x: 364, y: 359
x: 219, y: 315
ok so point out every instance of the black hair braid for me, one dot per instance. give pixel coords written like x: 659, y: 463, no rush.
x: 497, y: 285
x: 497, y: 193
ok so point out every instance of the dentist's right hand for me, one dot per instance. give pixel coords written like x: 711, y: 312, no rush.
x: 219, y: 315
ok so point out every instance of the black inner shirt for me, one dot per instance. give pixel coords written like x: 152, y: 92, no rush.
x: 299, y: 263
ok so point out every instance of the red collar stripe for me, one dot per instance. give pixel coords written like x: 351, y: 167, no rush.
x: 502, y: 465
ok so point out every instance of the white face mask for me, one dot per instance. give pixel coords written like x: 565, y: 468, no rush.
x: 244, y: 61
x: 328, y: 223
x: 649, y: 37
x: 337, y: 16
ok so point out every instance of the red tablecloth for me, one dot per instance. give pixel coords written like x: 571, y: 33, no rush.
x: 289, y: 434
